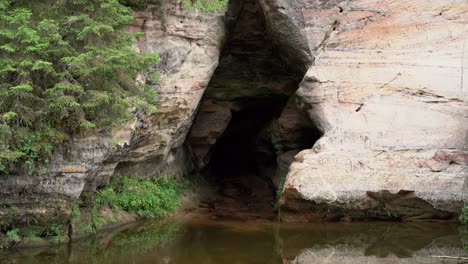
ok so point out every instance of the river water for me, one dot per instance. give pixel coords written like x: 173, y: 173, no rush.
x: 203, y: 241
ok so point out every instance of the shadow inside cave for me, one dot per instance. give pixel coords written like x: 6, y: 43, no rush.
x: 237, y: 161
x: 249, y: 128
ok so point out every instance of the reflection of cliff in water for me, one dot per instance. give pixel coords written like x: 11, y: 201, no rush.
x: 373, y: 242
x: 239, y: 242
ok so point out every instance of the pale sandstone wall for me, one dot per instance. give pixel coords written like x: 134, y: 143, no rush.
x: 388, y: 88
x: 189, y: 43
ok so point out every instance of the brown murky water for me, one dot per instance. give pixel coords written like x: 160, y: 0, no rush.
x: 249, y: 242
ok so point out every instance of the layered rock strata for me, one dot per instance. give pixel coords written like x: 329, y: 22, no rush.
x: 387, y: 89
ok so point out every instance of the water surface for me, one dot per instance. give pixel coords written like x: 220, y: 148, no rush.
x: 208, y: 242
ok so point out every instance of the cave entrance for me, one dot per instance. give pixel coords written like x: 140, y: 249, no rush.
x: 241, y: 149
x: 248, y: 127
x: 236, y: 164
x: 245, y: 156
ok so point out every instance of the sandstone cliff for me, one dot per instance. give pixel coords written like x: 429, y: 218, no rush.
x: 387, y: 89
x: 384, y: 86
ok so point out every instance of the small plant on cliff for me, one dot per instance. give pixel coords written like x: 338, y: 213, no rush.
x: 53, y: 232
x: 464, y: 215
x: 65, y: 67
x: 207, y: 6
x: 145, y: 197
x: 279, y: 191
x: 464, y: 233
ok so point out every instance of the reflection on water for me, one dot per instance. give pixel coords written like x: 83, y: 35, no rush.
x: 238, y: 242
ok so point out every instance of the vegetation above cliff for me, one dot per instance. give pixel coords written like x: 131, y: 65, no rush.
x: 207, y: 6
x: 65, y: 67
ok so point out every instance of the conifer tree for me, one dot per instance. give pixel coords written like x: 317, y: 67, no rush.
x: 65, y: 66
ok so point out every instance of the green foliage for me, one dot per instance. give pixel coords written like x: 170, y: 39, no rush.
x: 145, y: 197
x: 464, y: 233
x: 91, y: 221
x: 7, y: 117
x: 97, y: 221
x: 76, y: 213
x: 65, y: 67
x: 14, y: 210
x: 32, y: 232
x: 464, y: 216
x: 53, y: 232
x: 207, y: 6
x: 34, y: 235
x: 279, y: 191
x: 11, y: 238
x: 464, y: 238
x: 87, y: 225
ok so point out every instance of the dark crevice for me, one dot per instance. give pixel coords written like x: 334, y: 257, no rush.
x: 359, y: 108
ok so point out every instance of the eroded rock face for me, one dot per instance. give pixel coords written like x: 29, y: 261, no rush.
x: 82, y: 165
x: 189, y: 43
x: 293, y: 129
x: 212, y: 120
x: 387, y: 89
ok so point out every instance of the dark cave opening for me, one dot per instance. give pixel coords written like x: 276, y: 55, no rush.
x: 242, y: 192
x: 235, y: 152
x: 249, y: 127
x: 251, y: 158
